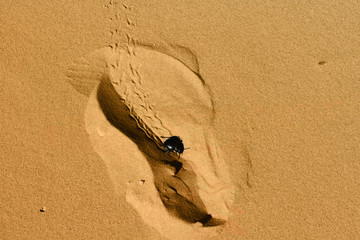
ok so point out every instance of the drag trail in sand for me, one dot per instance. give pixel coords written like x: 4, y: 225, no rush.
x: 137, y: 94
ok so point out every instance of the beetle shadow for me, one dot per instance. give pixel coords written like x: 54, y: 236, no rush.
x: 177, y: 191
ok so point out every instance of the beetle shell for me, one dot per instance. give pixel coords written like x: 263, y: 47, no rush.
x: 174, y: 144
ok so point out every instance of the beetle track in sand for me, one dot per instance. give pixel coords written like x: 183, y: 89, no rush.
x: 130, y: 76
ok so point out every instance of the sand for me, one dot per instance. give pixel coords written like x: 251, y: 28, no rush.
x: 265, y: 95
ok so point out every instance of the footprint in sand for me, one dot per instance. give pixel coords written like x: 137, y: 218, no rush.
x: 136, y: 95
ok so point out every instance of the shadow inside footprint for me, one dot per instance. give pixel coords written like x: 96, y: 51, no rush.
x: 174, y: 179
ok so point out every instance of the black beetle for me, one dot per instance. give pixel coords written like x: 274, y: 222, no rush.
x: 174, y: 144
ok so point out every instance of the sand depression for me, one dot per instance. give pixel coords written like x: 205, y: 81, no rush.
x: 137, y: 94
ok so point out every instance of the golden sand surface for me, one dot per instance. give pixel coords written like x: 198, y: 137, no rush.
x: 265, y: 94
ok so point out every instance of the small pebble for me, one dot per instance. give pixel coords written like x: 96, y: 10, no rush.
x: 43, y: 209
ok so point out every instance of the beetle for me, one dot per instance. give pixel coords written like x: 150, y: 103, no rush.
x: 174, y: 144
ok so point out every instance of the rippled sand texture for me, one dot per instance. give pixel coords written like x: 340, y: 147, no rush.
x: 136, y: 95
